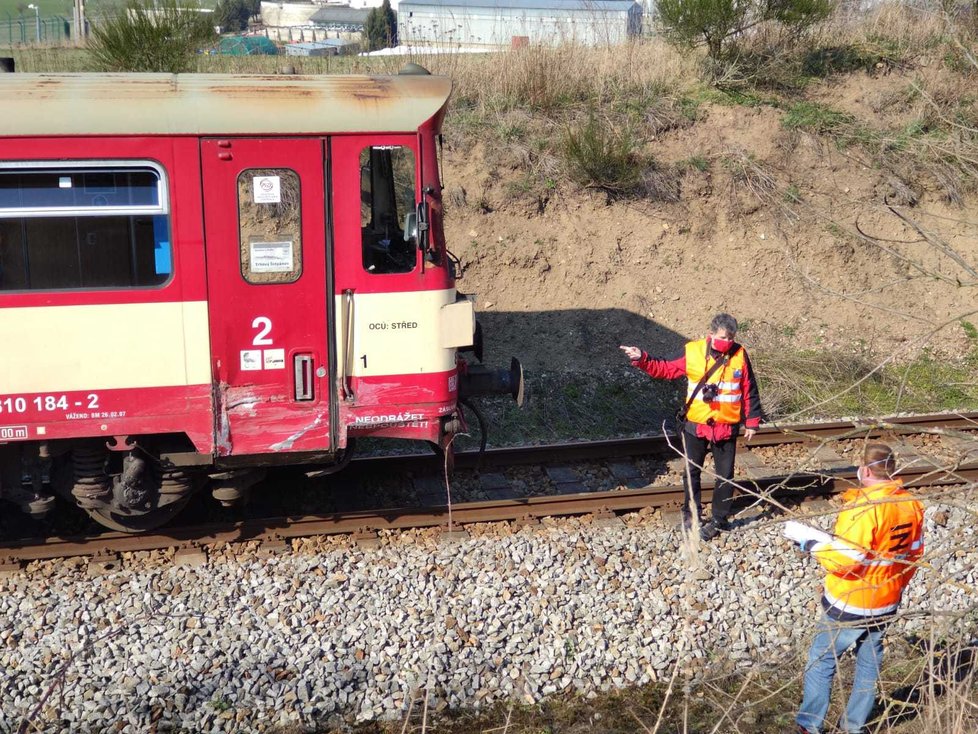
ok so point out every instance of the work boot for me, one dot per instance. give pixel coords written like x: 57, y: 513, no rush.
x: 709, y: 530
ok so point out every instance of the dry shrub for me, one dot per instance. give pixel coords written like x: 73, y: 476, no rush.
x: 670, y: 113
x: 661, y: 183
x: 747, y: 173
x: 892, y: 35
x: 896, y: 32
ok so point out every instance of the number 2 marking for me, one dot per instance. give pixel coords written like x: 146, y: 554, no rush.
x: 900, y: 540
x: 264, y: 326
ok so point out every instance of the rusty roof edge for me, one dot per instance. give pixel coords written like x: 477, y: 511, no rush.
x: 218, y: 104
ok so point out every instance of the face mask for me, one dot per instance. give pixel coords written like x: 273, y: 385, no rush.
x: 721, y: 345
x: 861, y: 475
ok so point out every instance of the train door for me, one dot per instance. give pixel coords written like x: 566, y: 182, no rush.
x: 265, y: 229
x: 387, y: 327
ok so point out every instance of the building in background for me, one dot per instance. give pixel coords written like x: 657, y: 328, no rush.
x: 498, y: 23
x: 328, y: 47
x: 311, y: 22
x: 368, y: 4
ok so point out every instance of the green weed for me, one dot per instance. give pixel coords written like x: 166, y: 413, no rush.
x: 698, y: 162
x: 831, y: 383
x: 220, y: 704
x: 816, y: 118
x: 598, y: 154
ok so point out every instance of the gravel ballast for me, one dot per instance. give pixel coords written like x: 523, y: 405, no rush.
x: 334, y: 632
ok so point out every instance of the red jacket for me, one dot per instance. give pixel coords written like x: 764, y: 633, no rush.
x: 673, y: 369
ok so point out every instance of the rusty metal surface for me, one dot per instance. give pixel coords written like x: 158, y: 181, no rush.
x: 216, y: 104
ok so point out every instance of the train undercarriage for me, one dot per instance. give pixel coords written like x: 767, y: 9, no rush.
x: 133, y: 484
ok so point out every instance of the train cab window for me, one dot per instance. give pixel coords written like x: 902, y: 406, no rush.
x: 270, y: 225
x: 387, y: 209
x: 80, y: 227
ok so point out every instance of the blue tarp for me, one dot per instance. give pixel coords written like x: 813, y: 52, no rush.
x: 246, y: 46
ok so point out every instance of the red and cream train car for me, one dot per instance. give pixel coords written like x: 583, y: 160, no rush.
x: 202, y: 275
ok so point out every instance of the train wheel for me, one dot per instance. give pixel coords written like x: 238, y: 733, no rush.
x: 138, y: 523
x: 170, y: 490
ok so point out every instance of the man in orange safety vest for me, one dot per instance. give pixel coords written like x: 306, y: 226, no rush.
x: 870, y: 559
x: 721, y: 395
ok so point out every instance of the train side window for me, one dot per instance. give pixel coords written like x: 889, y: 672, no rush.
x: 83, y: 227
x: 387, y: 206
x: 270, y: 225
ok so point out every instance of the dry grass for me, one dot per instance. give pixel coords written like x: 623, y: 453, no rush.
x: 928, y: 688
x: 646, y: 86
x: 546, y: 79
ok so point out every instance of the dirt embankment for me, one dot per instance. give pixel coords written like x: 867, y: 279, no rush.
x: 788, y: 232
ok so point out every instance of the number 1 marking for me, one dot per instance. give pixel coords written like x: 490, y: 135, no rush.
x: 364, y: 358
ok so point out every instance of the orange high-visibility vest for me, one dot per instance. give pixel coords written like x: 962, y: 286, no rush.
x: 729, y: 379
x: 878, y: 538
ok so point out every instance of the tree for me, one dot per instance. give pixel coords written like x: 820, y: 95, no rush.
x: 148, y: 36
x: 380, y: 30
x: 714, y: 23
x: 234, y: 15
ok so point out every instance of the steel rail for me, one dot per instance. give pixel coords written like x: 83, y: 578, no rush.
x: 802, y: 485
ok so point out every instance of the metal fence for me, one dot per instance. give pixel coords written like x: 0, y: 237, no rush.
x: 17, y: 30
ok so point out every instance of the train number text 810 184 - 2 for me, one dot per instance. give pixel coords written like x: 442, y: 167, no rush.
x: 46, y: 403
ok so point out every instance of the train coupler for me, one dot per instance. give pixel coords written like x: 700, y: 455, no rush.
x: 478, y: 380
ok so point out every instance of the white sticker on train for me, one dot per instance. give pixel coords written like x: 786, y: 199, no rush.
x: 274, y: 359
x: 250, y: 360
x: 271, y: 257
x: 268, y: 189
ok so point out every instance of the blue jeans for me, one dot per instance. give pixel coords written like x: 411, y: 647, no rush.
x: 831, y: 640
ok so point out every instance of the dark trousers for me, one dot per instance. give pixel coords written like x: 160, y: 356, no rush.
x: 723, y: 452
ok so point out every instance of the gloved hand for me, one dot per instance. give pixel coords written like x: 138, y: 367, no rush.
x: 806, y: 537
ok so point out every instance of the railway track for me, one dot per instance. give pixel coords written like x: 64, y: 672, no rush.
x: 826, y: 444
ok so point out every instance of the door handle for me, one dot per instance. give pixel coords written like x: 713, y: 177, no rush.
x: 348, y: 308
x: 304, y: 382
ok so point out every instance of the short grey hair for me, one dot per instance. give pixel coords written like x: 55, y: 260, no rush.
x: 723, y: 321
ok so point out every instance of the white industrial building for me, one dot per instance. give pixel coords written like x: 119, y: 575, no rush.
x: 312, y: 22
x: 515, y: 22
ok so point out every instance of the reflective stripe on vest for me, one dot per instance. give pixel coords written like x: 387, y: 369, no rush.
x: 729, y: 381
